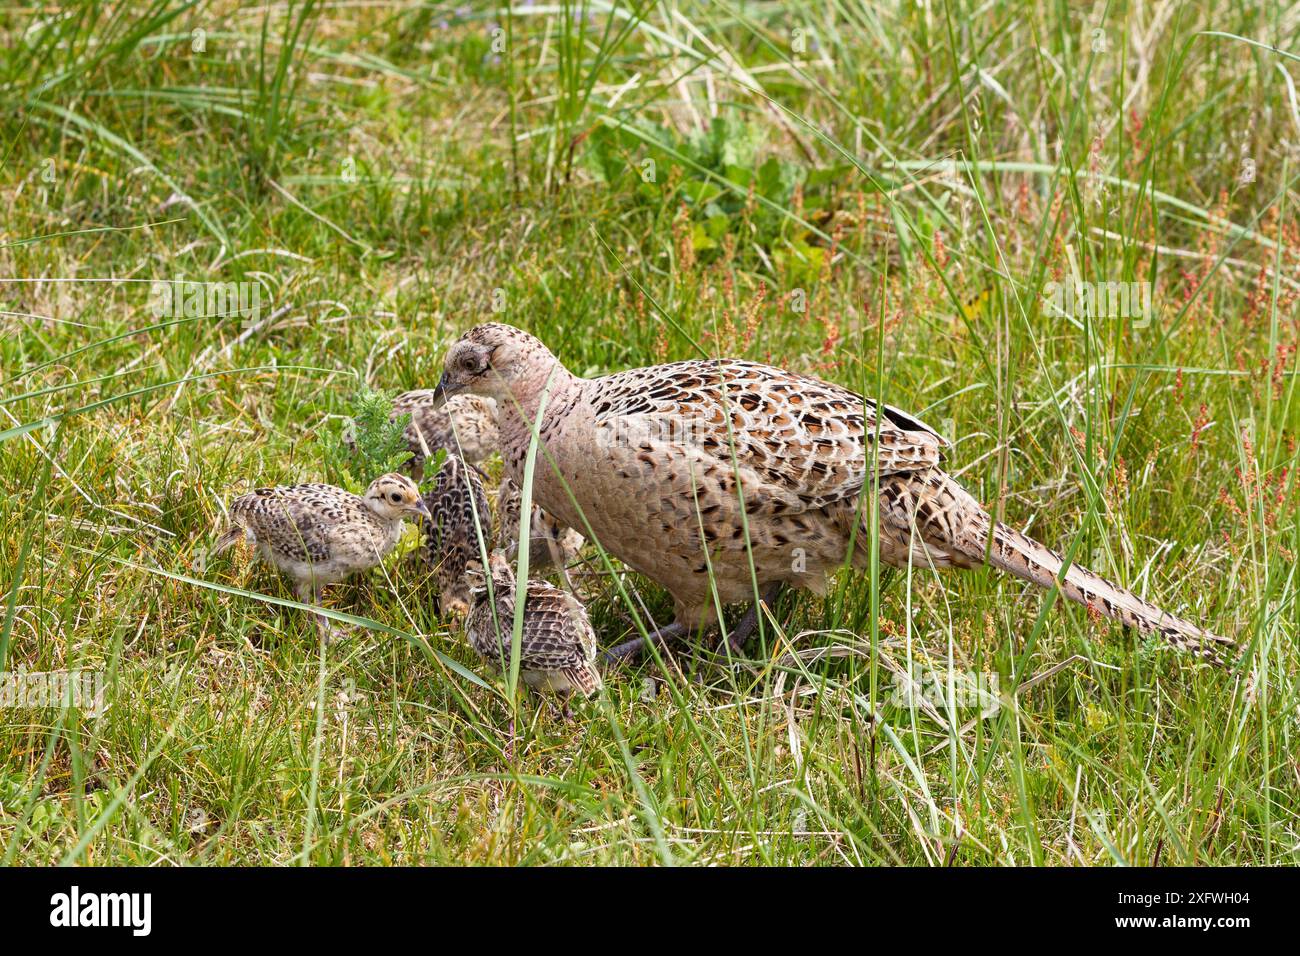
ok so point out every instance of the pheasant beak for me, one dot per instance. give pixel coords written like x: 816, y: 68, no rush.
x: 421, y: 509
x: 444, y: 390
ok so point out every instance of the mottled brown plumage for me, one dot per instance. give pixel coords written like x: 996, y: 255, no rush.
x: 557, y: 647
x: 551, y: 543
x: 658, y: 459
x: 318, y: 534
x: 465, y: 426
x: 459, y: 519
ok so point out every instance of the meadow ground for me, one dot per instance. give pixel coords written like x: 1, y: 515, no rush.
x: 900, y: 197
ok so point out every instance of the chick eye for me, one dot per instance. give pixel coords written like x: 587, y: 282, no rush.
x: 395, y: 497
x: 469, y: 363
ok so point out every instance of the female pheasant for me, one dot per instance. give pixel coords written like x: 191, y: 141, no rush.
x: 657, y: 463
x: 319, y: 534
x: 557, y: 647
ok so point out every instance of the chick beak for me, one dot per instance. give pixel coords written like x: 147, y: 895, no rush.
x: 421, y: 509
x: 444, y: 390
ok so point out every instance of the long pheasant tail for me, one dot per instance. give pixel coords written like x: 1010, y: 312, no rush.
x: 1027, y: 559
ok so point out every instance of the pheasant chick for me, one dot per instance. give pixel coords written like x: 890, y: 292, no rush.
x: 557, y: 649
x: 459, y: 519
x: 318, y: 534
x: 551, y: 543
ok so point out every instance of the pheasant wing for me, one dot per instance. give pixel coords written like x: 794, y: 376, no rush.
x: 799, y: 443
x: 294, y: 521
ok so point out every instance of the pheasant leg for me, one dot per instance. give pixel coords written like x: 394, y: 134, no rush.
x: 308, y: 593
x: 749, y: 622
x: 629, y: 648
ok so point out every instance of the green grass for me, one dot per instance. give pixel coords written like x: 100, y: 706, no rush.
x: 875, y: 194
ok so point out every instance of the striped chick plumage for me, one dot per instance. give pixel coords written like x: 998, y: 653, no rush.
x: 658, y: 460
x: 466, y: 426
x: 557, y: 648
x: 452, y: 533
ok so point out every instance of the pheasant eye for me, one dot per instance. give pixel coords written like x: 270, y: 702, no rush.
x: 395, y: 497
x: 469, y: 363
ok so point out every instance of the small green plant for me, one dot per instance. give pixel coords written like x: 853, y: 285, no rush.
x: 373, y: 442
x: 726, y: 184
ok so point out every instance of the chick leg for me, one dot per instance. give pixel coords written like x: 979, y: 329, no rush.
x: 557, y: 562
x: 308, y: 592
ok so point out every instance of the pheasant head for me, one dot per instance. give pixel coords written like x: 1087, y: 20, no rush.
x: 393, y: 497
x: 501, y: 362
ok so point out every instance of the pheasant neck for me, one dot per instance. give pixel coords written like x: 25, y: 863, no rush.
x: 526, y: 391
x: 518, y: 410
